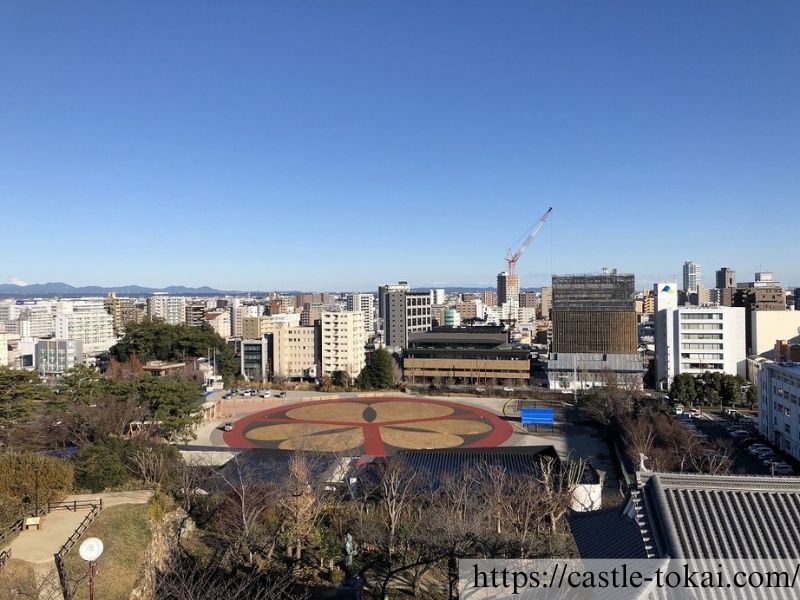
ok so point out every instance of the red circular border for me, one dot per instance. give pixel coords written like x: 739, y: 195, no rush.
x: 500, y: 433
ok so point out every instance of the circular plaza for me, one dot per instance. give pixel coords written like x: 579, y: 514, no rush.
x: 374, y: 426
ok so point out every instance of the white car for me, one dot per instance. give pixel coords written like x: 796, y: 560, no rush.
x: 679, y: 409
x: 508, y: 389
x: 266, y: 394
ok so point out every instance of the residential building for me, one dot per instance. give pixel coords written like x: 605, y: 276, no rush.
x: 255, y: 359
x: 405, y: 313
x: 86, y: 321
x: 366, y: 304
x: 488, y: 298
x: 507, y: 288
x: 39, y: 317
x: 123, y: 311
x: 779, y: 405
x: 767, y: 326
x: 545, y: 303
x: 786, y: 352
x: 171, y: 309
x: 528, y: 300
x: 220, y: 322
x: 438, y: 296
x: 763, y: 294
x: 383, y: 292
x: 726, y: 278
x: 239, y: 312
x: 55, y: 356
x: 295, y: 352
x: 692, y: 276
x: 254, y: 328
x: 195, y: 313
x: 465, y: 356
x: 342, y: 341
x: 472, y: 309
x: 696, y: 339
x: 4, y: 354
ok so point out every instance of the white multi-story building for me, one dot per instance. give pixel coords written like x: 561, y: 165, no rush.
x: 220, y: 321
x: 366, y: 304
x: 779, y: 405
x: 692, y: 276
x: 87, y: 321
x: 342, y: 342
x: 40, y: 314
x: 696, y: 339
x: 172, y: 309
x: 438, y: 296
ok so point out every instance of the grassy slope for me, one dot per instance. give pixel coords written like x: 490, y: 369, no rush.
x: 125, y: 532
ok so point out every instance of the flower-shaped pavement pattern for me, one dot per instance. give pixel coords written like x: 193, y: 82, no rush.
x: 372, y: 426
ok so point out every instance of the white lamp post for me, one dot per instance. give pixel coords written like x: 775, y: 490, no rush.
x: 90, y: 550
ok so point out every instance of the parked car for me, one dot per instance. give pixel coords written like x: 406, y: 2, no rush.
x: 480, y: 389
x: 508, y: 389
x: 679, y: 409
x: 281, y: 394
x: 227, y: 426
x: 266, y: 393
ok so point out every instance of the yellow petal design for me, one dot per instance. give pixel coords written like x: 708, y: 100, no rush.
x: 454, y: 427
x: 328, y: 442
x: 339, y: 412
x: 281, y: 431
x: 403, y: 438
x: 402, y: 411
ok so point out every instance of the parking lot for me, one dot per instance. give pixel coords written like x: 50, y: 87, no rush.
x: 751, y: 453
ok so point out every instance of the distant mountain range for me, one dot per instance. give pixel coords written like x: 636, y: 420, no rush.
x: 59, y: 288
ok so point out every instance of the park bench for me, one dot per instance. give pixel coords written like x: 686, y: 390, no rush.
x: 33, y: 522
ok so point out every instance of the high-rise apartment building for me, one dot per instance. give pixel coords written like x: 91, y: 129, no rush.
x: 295, y: 352
x: 726, y: 278
x: 254, y: 328
x: 86, y: 321
x: 123, y: 311
x: 528, y: 300
x: 195, y: 313
x: 545, y: 303
x: 696, y: 339
x: 171, y: 309
x: 438, y: 296
x: 405, y: 312
x: 239, y: 312
x: 692, y: 276
x: 383, y: 291
x: 220, y: 322
x: 507, y: 288
x: 342, y: 342
x: 488, y: 298
x: 366, y: 304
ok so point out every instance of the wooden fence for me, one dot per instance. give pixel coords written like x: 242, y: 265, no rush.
x: 73, y: 539
x: 74, y: 505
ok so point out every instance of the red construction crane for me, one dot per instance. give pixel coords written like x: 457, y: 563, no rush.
x: 512, y: 256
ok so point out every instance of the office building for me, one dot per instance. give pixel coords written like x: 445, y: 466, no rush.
x: 239, y: 312
x: 786, y: 351
x: 452, y: 318
x: 595, y: 334
x: 255, y: 360
x: 692, y: 276
x: 528, y: 300
x: 453, y: 356
x: 342, y: 342
x: 383, y: 292
x: 726, y: 278
x: 507, y: 288
x: 594, y: 313
x: 472, y: 309
x: 779, y: 405
x: 254, y: 328
x: 366, y: 304
x: 438, y: 296
x: 170, y: 309
x: 488, y: 298
x: 694, y: 340
x: 405, y: 312
x: 55, y: 356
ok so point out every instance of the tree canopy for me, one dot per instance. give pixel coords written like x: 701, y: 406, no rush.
x: 153, y: 339
x: 379, y: 373
x: 708, y: 388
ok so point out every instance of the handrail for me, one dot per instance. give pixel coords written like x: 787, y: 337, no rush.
x: 74, y: 505
x: 5, y: 556
x: 19, y: 526
x: 71, y: 541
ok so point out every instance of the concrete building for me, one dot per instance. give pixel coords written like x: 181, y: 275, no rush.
x: 488, y: 298
x: 254, y: 328
x: 4, y: 350
x: 86, y: 321
x: 55, y: 356
x: 171, y: 309
x: 594, y: 319
x: 507, y: 288
x: 692, y: 276
x: 545, y: 303
x: 405, y: 312
x: 195, y: 313
x: 452, y: 318
x: 767, y: 326
x: 696, y: 339
x: 383, y: 292
x: 123, y: 311
x: 726, y: 278
x: 295, y: 352
x: 39, y: 317
x: 786, y: 352
x: 528, y: 300
x: 254, y: 359
x: 438, y: 296
x: 779, y: 405
x: 220, y: 322
x: 471, y: 309
x: 342, y: 341
x: 465, y: 357
x: 366, y: 304
x: 239, y: 312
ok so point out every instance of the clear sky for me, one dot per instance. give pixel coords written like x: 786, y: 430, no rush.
x: 340, y: 145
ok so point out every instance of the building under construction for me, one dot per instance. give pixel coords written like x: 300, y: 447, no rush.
x: 594, y: 314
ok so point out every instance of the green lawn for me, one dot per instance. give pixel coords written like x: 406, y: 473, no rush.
x: 125, y: 532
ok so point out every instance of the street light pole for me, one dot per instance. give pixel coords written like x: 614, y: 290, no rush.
x: 36, y: 468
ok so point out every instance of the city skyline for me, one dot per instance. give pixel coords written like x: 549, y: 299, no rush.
x: 347, y: 146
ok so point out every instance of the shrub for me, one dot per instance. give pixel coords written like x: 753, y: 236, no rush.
x: 18, y: 477
x: 100, y: 466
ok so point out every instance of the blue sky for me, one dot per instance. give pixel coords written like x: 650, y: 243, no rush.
x: 339, y: 145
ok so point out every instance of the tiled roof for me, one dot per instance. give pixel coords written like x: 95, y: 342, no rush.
x: 606, y: 533
x: 716, y: 516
